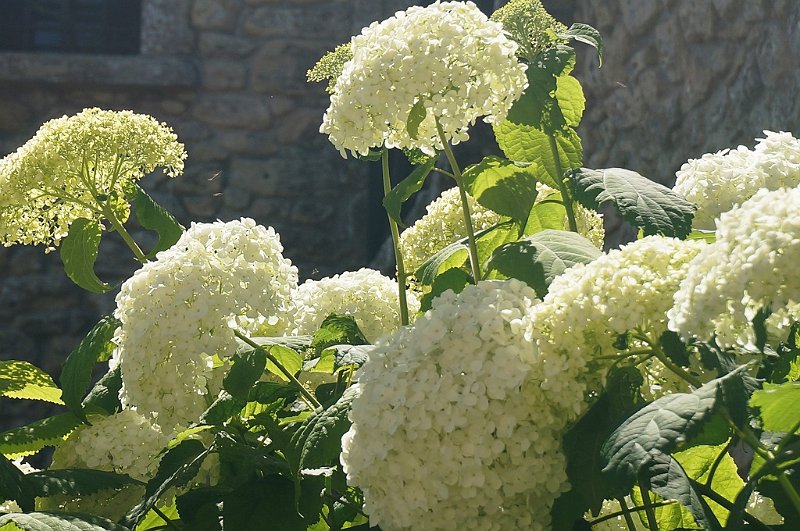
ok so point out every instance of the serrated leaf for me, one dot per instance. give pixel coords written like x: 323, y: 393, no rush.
x: 522, y: 143
x: 588, y: 35
x: 674, y: 348
x: 260, y: 500
x: 393, y: 201
x: 538, y: 259
x: 201, y: 508
x: 44, y: 521
x: 79, y: 253
x: 105, y: 393
x: 153, y: 520
x: 415, y: 117
x: 77, y: 482
x: 221, y: 409
x: 153, y: 216
x: 268, y: 392
x: 350, y: 355
x: 23, y: 380
x: 659, y: 428
x: 648, y: 205
x: 502, y: 186
x: 547, y: 214
x: 455, y: 279
x: 697, y: 462
x: 247, y: 368
x: 318, y: 441
x: 29, y: 439
x: 538, y: 106
x: 571, y: 100
x: 338, y: 330
x: 77, y: 371
x: 14, y: 485
x: 290, y: 359
x: 778, y: 406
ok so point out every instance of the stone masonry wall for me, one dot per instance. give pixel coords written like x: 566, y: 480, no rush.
x: 680, y: 78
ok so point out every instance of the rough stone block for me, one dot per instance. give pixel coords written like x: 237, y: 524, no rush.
x: 244, y: 111
x: 329, y: 20
x: 224, y: 45
x: 215, y: 14
x: 224, y: 75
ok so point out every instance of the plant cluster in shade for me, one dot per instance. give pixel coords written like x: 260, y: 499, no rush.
x: 445, y: 62
x: 77, y: 166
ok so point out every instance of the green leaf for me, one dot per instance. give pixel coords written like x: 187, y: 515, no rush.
x: 455, y: 279
x: 571, y: 100
x: 291, y: 360
x: 779, y: 406
x: 502, y: 186
x: 349, y: 355
x: 79, y: 253
x: 674, y: 348
x: 319, y: 440
x: 522, y: 143
x: 153, y: 216
x: 268, y: 392
x: 415, y: 117
x: 177, y: 467
x: 708, y: 236
x: 77, y: 482
x: 14, y: 485
x: 648, y: 205
x: 155, y: 521
x: 43, y: 521
x: 538, y: 259
x: 29, y: 439
x: 77, y: 371
x: 547, y: 214
x: 20, y: 379
x: 105, y: 393
x: 261, y: 500
x: 201, y: 509
x: 660, y: 428
x: 337, y: 330
x: 588, y: 35
x: 538, y: 106
x: 393, y: 201
x: 246, y: 370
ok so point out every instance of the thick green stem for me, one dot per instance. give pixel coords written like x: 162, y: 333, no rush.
x: 129, y: 241
x: 565, y: 196
x: 457, y: 177
x: 303, y: 391
x: 398, y: 256
x: 627, y: 514
x: 790, y: 491
x: 669, y: 364
x: 167, y: 520
x: 652, y: 523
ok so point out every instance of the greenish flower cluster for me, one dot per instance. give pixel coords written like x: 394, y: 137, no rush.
x: 81, y: 166
x: 530, y: 25
x: 330, y: 66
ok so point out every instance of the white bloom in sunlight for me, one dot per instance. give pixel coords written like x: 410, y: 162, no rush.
x: 179, y: 311
x: 590, y: 305
x: 448, y: 57
x: 750, y: 265
x: 717, y: 182
x: 452, y: 428
x: 367, y: 295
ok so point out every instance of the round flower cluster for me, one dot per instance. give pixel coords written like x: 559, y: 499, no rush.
x: 178, y: 315
x: 368, y: 296
x: 530, y: 25
x: 441, y: 226
x: 125, y: 443
x: 448, y: 59
x: 590, y: 305
x: 458, y: 384
x: 750, y: 265
x: 718, y: 181
x: 80, y: 166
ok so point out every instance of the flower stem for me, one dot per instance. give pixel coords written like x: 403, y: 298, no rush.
x: 565, y: 197
x: 457, y: 177
x: 652, y: 522
x: 627, y: 514
x: 790, y: 491
x: 122, y: 231
x: 303, y: 391
x: 398, y: 257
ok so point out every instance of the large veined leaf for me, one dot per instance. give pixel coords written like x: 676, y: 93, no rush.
x: 646, y: 204
x: 29, y: 439
x: 79, y: 253
x: 538, y: 259
x: 77, y: 371
x: 246, y: 370
x: 779, y: 406
x: 290, y: 359
x: 502, y: 186
x: 154, y: 217
x: 571, y: 100
x: 549, y: 213
x: 455, y: 279
x: 14, y: 485
x: 415, y: 117
x: 44, y: 521
x: 588, y: 35
x: 20, y: 379
x: 338, y: 330
x: 261, y: 500
x: 105, y: 393
x: 318, y: 441
x: 393, y: 201
x: 77, y: 482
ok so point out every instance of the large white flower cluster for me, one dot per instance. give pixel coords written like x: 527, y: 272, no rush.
x: 751, y: 264
x: 590, y: 305
x: 448, y: 57
x: 717, y: 182
x: 368, y: 296
x: 452, y: 429
x: 178, y: 315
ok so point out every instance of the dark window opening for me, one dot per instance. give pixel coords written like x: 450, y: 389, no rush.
x: 71, y: 26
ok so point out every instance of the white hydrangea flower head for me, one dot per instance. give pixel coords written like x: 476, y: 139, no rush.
x: 447, y: 56
x: 366, y: 295
x: 590, y: 305
x: 71, y: 162
x: 178, y: 314
x: 442, y: 225
x: 125, y: 443
x: 463, y: 384
x: 717, y: 182
x: 751, y: 264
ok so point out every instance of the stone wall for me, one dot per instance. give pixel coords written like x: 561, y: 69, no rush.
x: 680, y: 78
